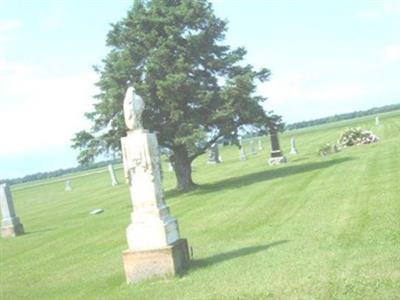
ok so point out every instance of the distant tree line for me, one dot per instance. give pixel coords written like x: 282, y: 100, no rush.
x: 346, y: 116
x: 58, y: 173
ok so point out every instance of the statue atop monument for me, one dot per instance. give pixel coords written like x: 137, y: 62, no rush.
x: 155, y: 248
x: 133, y: 109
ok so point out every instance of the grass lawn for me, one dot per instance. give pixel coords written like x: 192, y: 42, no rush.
x: 314, y: 228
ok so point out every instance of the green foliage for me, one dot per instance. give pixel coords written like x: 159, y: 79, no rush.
x: 195, y: 88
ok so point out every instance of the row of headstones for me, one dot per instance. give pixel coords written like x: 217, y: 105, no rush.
x: 10, y: 224
x: 113, y: 176
x: 214, y: 157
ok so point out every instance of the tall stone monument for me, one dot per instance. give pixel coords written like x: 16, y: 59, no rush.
x: 213, y: 154
x: 155, y: 246
x: 276, y: 156
x: 10, y: 224
x: 114, y: 180
x: 293, y: 148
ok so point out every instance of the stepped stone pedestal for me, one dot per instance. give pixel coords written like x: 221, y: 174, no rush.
x: 155, y: 248
x: 10, y: 224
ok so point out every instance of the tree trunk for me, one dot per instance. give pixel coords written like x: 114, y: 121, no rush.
x: 183, y: 169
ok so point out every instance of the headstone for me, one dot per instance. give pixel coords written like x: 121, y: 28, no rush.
x: 213, y: 154
x: 97, y: 211
x: 170, y: 167
x: 276, y: 156
x: 260, y: 145
x: 10, y: 223
x: 242, y: 153
x: 253, y: 148
x: 377, y: 122
x: 155, y: 246
x: 68, y: 186
x: 293, y: 149
x: 114, y: 180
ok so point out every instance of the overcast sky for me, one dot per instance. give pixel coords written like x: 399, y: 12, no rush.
x: 326, y: 57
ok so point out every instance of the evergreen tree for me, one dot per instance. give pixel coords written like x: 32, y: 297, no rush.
x: 196, y: 89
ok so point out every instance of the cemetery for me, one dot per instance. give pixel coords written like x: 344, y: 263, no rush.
x: 183, y: 167
x: 320, y: 226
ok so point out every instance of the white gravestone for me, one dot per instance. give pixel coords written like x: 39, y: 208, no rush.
x: 155, y: 246
x: 260, y: 145
x: 377, y: 122
x: 213, y: 154
x: 10, y: 224
x: 242, y: 153
x: 170, y: 167
x: 68, y: 186
x: 293, y: 149
x: 253, y: 148
x: 114, y: 180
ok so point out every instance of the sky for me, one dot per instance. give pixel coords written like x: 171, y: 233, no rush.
x: 326, y: 57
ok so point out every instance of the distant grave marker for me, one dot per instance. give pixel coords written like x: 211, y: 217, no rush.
x: 213, y: 154
x: 260, y: 145
x: 377, y: 121
x: 253, y: 148
x: 114, y: 180
x: 293, y: 148
x: 276, y: 156
x: 96, y: 211
x: 242, y: 152
x: 10, y: 224
x: 68, y: 186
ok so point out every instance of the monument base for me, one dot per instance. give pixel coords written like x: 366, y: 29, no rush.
x: 161, y: 263
x: 12, y: 231
x: 277, y: 160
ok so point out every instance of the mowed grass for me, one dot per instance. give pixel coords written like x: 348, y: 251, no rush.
x: 314, y: 228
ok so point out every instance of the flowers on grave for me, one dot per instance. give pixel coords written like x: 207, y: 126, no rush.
x: 357, y: 136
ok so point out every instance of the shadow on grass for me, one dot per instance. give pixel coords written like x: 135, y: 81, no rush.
x: 39, y: 231
x: 270, y: 174
x: 219, y: 258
